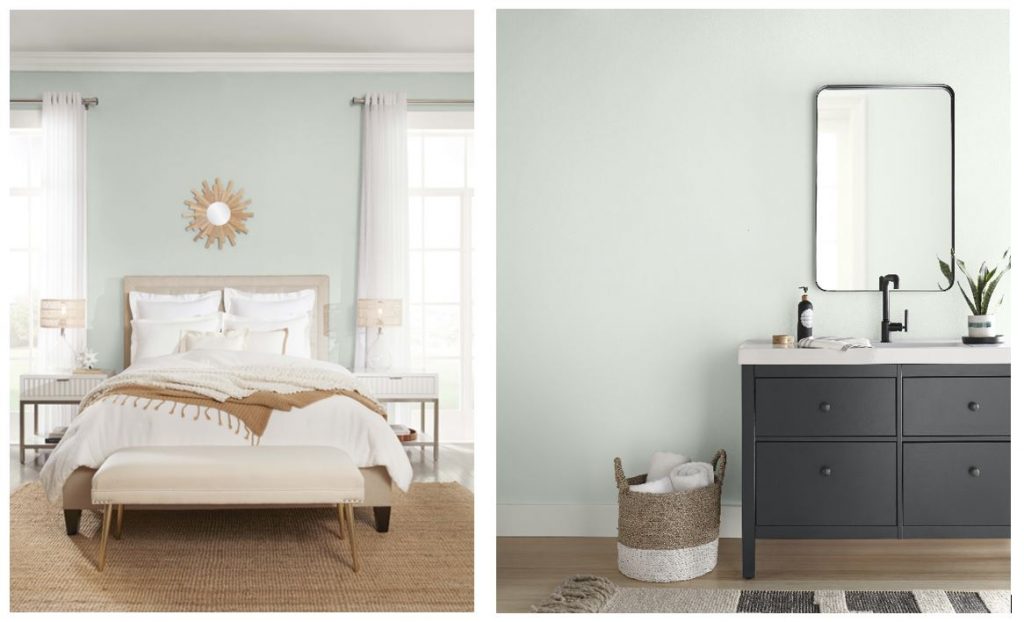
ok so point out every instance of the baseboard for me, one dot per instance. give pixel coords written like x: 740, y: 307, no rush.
x: 595, y: 521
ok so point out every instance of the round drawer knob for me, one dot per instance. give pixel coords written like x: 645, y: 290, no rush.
x: 825, y: 471
x: 824, y: 407
x: 974, y: 471
x: 973, y: 406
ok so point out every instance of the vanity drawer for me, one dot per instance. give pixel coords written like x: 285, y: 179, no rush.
x: 956, y: 483
x: 956, y: 406
x: 833, y: 483
x: 825, y: 406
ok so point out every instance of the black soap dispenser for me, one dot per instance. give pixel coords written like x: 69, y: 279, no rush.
x: 804, y: 317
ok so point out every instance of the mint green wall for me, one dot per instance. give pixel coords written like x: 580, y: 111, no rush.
x: 292, y: 140
x: 655, y: 209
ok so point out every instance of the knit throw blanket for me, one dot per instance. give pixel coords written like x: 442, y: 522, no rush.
x: 238, y: 397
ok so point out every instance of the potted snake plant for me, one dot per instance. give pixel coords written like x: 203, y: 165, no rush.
x: 980, y: 323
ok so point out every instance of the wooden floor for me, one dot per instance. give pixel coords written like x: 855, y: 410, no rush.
x: 529, y: 569
x: 454, y: 464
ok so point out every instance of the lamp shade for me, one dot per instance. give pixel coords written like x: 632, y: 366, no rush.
x: 373, y: 312
x: 62, y: 313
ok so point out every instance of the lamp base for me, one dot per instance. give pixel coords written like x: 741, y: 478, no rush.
x: 378, y: 358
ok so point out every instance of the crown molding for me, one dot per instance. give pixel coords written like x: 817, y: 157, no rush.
x: 187, y: 62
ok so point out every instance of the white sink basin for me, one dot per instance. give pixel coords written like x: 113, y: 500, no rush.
x: 919, y: 344
x: 910, y: 352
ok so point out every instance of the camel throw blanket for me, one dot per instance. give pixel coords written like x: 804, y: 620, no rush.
x: 248, y: 394
x: 252, y: 411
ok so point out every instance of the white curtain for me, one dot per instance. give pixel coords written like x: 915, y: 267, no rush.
x: 62, y: 269
x: 383, y: 264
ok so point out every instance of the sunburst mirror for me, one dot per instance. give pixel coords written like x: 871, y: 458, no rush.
x: 217, y: 213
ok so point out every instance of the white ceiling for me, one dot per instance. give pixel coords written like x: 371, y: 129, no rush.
x: 243, y: 31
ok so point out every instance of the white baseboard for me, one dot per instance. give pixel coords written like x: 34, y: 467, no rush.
x: 597, y: 521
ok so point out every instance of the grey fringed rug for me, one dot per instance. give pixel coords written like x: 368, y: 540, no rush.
x: 587, y: 594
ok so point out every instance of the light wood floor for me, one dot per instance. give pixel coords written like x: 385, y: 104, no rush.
x: 529, y: 569
x: 454, y: 464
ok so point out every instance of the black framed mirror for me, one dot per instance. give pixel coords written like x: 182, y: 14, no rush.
x: 884, y: 185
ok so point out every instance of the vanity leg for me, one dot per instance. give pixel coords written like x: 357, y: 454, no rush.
x: 749, y: 474
x: 748, y: 556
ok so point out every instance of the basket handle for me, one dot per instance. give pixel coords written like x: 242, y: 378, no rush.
x: 719, y: 463
x: 620, y: 476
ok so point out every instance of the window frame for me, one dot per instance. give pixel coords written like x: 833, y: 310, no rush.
x: 453, y: 123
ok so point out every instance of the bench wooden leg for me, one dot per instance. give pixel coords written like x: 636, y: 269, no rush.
x: 352, y: 536
x: 107, y: 514
x: 119, y: 527
x: 341, y: 521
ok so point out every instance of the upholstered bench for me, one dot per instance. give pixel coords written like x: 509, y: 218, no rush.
x: 222, y: 475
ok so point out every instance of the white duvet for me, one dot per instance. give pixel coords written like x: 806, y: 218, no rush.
x: 105, y: 426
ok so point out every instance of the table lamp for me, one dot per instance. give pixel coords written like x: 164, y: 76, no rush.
x: 376, y: 313
x: 62, y: 313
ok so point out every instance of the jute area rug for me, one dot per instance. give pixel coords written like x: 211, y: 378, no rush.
x: 247, y: 560
x: 589, y: 594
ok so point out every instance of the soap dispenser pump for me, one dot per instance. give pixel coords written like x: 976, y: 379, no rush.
x: 805, y: 317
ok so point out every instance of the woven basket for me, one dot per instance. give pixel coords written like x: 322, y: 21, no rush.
x: 670, y: 536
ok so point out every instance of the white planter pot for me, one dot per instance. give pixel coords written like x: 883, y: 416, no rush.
x: 981, y: 326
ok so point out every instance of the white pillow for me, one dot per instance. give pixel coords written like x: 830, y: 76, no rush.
x: 161, y: 337
x: 297, y: 343
x: 147, y: 306
x: 233, y: 340
x: 269, y: 306
x: 269, y: 341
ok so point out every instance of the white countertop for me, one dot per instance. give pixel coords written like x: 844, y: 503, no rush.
x: 762, y: 352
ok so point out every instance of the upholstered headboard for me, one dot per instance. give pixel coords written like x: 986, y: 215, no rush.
x: 195, y: 284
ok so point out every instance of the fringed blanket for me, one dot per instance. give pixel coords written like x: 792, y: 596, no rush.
x: 253, y: 411
x: 246, y: 393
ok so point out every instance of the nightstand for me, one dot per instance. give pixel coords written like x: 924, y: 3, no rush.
x: 413, y: 386
x: 39, y: 389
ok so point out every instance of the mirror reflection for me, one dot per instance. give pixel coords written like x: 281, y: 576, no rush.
x: 884, y: 186
x: 218, y: 213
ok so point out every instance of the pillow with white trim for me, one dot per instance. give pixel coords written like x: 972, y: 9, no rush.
x: 161, y: 337
x: 297, y: 343
x: 233, y: 340
x: 269, y: 306
x: 149, y: 306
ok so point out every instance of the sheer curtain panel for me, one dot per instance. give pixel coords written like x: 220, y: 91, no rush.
x: 383, y: 263
x: 62, y: 269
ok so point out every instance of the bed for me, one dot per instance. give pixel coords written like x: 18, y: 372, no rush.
x: 71, y: 471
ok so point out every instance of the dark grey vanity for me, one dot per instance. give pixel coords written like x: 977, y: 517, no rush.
x: 875, y: 443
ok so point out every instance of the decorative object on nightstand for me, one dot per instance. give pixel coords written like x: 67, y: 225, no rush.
x: 63, y: 313
x: 413, y: 386
x: 980, y: 325
x: 37, y: 389
x: 374, y: 313
x: 217, y: 213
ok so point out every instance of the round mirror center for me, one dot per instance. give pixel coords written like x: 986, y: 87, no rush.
x: 218, y: 213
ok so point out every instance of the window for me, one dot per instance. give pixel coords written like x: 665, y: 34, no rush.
x: 440, y: 260
x: 24, y: 161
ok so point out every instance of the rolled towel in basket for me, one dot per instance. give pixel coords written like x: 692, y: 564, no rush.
x: 656, y: 486
x: 662, y: 463
x: 691, y: 476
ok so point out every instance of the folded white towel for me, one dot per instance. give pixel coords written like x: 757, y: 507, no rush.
x: 691, y: 476
x: 656, y: 486
x: 662, y: 463
x: 834, y: 343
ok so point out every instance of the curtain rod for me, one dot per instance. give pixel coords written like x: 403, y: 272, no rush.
x: 86, y: 101
x: 359, y: 101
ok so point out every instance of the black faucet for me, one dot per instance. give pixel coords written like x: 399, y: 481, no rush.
x: 887, y: 326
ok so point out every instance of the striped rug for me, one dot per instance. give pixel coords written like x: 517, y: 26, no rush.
x: 589, y: 594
